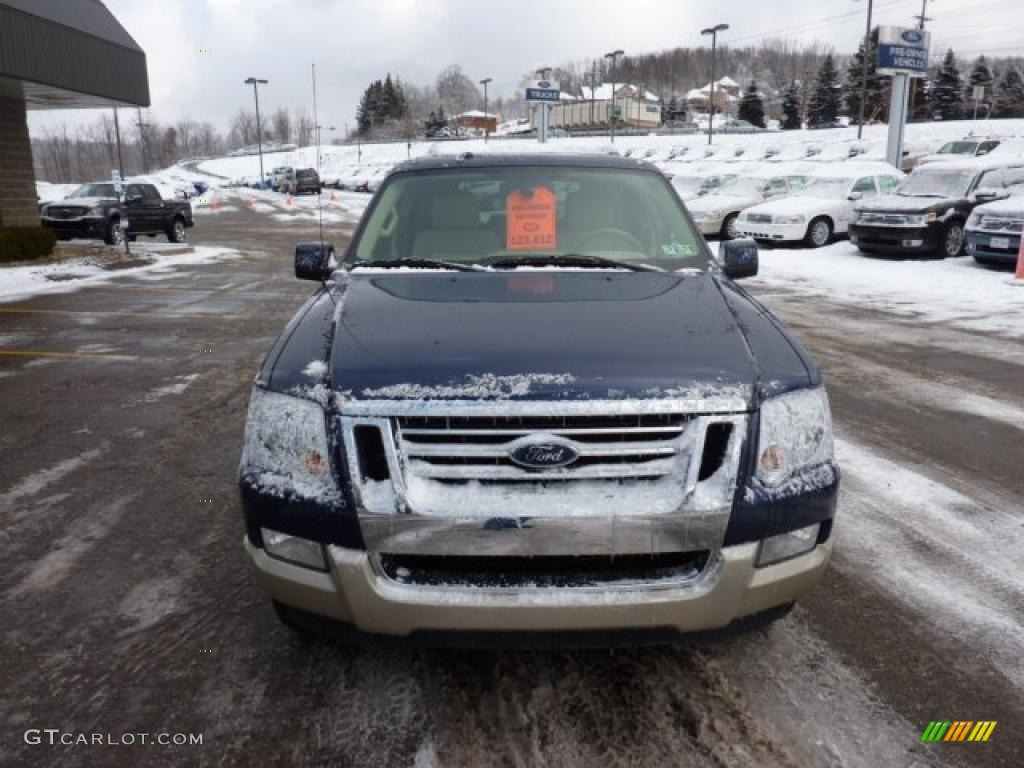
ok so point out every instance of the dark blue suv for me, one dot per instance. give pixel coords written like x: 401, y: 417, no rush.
x: 527, y: 402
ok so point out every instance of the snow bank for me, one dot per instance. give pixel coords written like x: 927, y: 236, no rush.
x: 955, y: 292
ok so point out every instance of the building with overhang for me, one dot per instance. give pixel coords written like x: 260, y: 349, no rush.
x: 57, y: 54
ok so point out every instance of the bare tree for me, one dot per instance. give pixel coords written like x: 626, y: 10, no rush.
x: 456, y: 92
x: 303, y: 129
x: 281, y: 122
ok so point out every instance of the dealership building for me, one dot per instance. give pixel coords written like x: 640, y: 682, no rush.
x: 57, y: 54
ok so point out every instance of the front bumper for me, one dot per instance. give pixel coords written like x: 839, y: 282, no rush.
x: 771, y: 232
x: 907, y: 240
x: 989, y: 248
x: 88, y: 227
x: 356, y: 592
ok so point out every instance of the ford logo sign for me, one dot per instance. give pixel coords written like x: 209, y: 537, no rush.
x: 911, y: 36
x: 543, y: 452
x: 543, y: 84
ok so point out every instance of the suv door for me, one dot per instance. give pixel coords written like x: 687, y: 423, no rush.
x: 135, y: 209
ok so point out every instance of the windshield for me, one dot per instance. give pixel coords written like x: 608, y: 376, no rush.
x: 94, y: 190
x: 531, y: 214
x: 959, y: 148
x: 738, y: 185
x: 934, y: 183
x: 687, y: 185
x: 832, y: 188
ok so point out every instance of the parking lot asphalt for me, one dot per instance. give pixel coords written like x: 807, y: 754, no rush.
x: 127, y: 605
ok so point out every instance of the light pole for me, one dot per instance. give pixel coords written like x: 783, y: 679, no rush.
x: 864, y: 72
x: 259, y: 127
x: 487, y: 131
x: 713, y: 31
x: 611, y: 115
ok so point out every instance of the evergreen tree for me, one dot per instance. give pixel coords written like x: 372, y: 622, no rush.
x: 1008, y: 99
x: 981, y: 74
x: 791, y: 109
x: 877, y: 101
x: 751, y: 106
x: 823, y: 107
x: 945, y: 93
x: 363, y: 113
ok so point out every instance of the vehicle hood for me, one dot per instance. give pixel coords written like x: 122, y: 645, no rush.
x: 551, y: 335
x: 805, y: 204
x: 706, y: 203
x: 897, y: 203
x: 84, y: 202
x: 1011, y: 206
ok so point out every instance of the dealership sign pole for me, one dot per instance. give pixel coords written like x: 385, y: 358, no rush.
x: 903, y: 54
x: 543, y: 93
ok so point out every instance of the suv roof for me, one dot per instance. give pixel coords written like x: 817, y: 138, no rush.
x: 488, y: 160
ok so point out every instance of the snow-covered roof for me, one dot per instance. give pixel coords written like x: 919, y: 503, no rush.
x: 603, y: 92
x: 476, y: 113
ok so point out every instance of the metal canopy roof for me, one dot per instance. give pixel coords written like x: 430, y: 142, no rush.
x: 62, y: 54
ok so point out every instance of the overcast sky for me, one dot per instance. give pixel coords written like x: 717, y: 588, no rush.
x: 355, y: 41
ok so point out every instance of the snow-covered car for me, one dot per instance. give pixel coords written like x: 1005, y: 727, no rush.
x: 823, y: 209
x: 690, y: 187
x: 566, y: 420
x: 964, y: 149
x: 994, y: 231
x: 716, y: 213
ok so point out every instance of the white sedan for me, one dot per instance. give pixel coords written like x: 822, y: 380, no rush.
x: 716, y: 213
x: 821, y: 210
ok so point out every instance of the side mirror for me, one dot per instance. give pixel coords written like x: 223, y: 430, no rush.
x: 986, y: 197
x: 738, y: 258
x: 133, y: 199
x: 314, y: 261
x: 855, y: 196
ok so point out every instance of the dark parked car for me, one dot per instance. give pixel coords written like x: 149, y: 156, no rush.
x: 307, y: 182
x: 526, y: 400
x: 928, y: 211
x: 994, y: 232
x: 94, y: 211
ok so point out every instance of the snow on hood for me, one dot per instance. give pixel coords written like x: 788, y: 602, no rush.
x: 1013, y: 206
x: 897, y: 203
x: 83, y: 202
x: 722, y: 202
x: 790, y: 206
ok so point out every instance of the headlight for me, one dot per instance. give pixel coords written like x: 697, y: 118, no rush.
x: 293, y: 549
x: 285, y: 449
x: 788, y: 219
x: 95, y: 212
x: 922, y: 219
x: 974, y: 220
x: 796, y: 433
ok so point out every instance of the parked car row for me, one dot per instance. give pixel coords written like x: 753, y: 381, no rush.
x: 288, y: 180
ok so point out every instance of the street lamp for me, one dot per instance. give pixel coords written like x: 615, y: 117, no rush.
x: 487, y: 131
x: 255, y: 83
x: 611, y: 117
x: 713, y: 31
x: 864, y: 72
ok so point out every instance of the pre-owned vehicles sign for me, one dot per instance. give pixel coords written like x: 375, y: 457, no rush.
x: 903, y: 51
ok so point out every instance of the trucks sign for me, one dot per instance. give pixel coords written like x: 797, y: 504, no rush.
x: 543, y: 91
x: 903, y: 51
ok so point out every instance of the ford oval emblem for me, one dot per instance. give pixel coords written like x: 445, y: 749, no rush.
x: 912, y: 36
x: 543, y: 84
x: 543, y: 452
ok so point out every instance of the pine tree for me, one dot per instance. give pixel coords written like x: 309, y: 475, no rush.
x: 751, y: 106
x: 945, y: 94
x: 877, y: 101
x: 1008, y: 99
x: 981, y: 74
x: 823, y: 107
x: 791, y: 109
x: 363, y: 112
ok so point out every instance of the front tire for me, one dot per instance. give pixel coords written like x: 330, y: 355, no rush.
x: 729, y: 227
x: 819, y: 233
x: 114, y: 234
x: 951, y: 244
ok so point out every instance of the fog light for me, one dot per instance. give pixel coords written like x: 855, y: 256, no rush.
x: 293, y: 549
x: 786, y: 545
x: 853, y: 239
x: 912, y: 243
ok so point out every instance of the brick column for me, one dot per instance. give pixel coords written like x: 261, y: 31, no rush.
x: 18, y: 206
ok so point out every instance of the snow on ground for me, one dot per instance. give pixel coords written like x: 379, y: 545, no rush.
x: 955, y: 292
x: 65, y: 276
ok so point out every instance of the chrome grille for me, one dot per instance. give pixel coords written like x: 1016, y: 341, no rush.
x: 892, y: 219
x: 1001, y: 224
x: 66, y: 212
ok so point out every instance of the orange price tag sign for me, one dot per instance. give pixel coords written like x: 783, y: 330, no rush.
x: 532, y: 220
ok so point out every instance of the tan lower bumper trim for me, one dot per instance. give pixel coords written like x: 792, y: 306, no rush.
x: 353, y: 592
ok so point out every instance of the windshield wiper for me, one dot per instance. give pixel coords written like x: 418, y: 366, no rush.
x: 570, y: 260
x: 415, y: 264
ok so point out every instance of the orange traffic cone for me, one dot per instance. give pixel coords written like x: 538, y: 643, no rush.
x: 334, y: 197
x: 1020, y: 259
x: 215, y: 206
x: 288, y: 200
x: 251, y: 203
